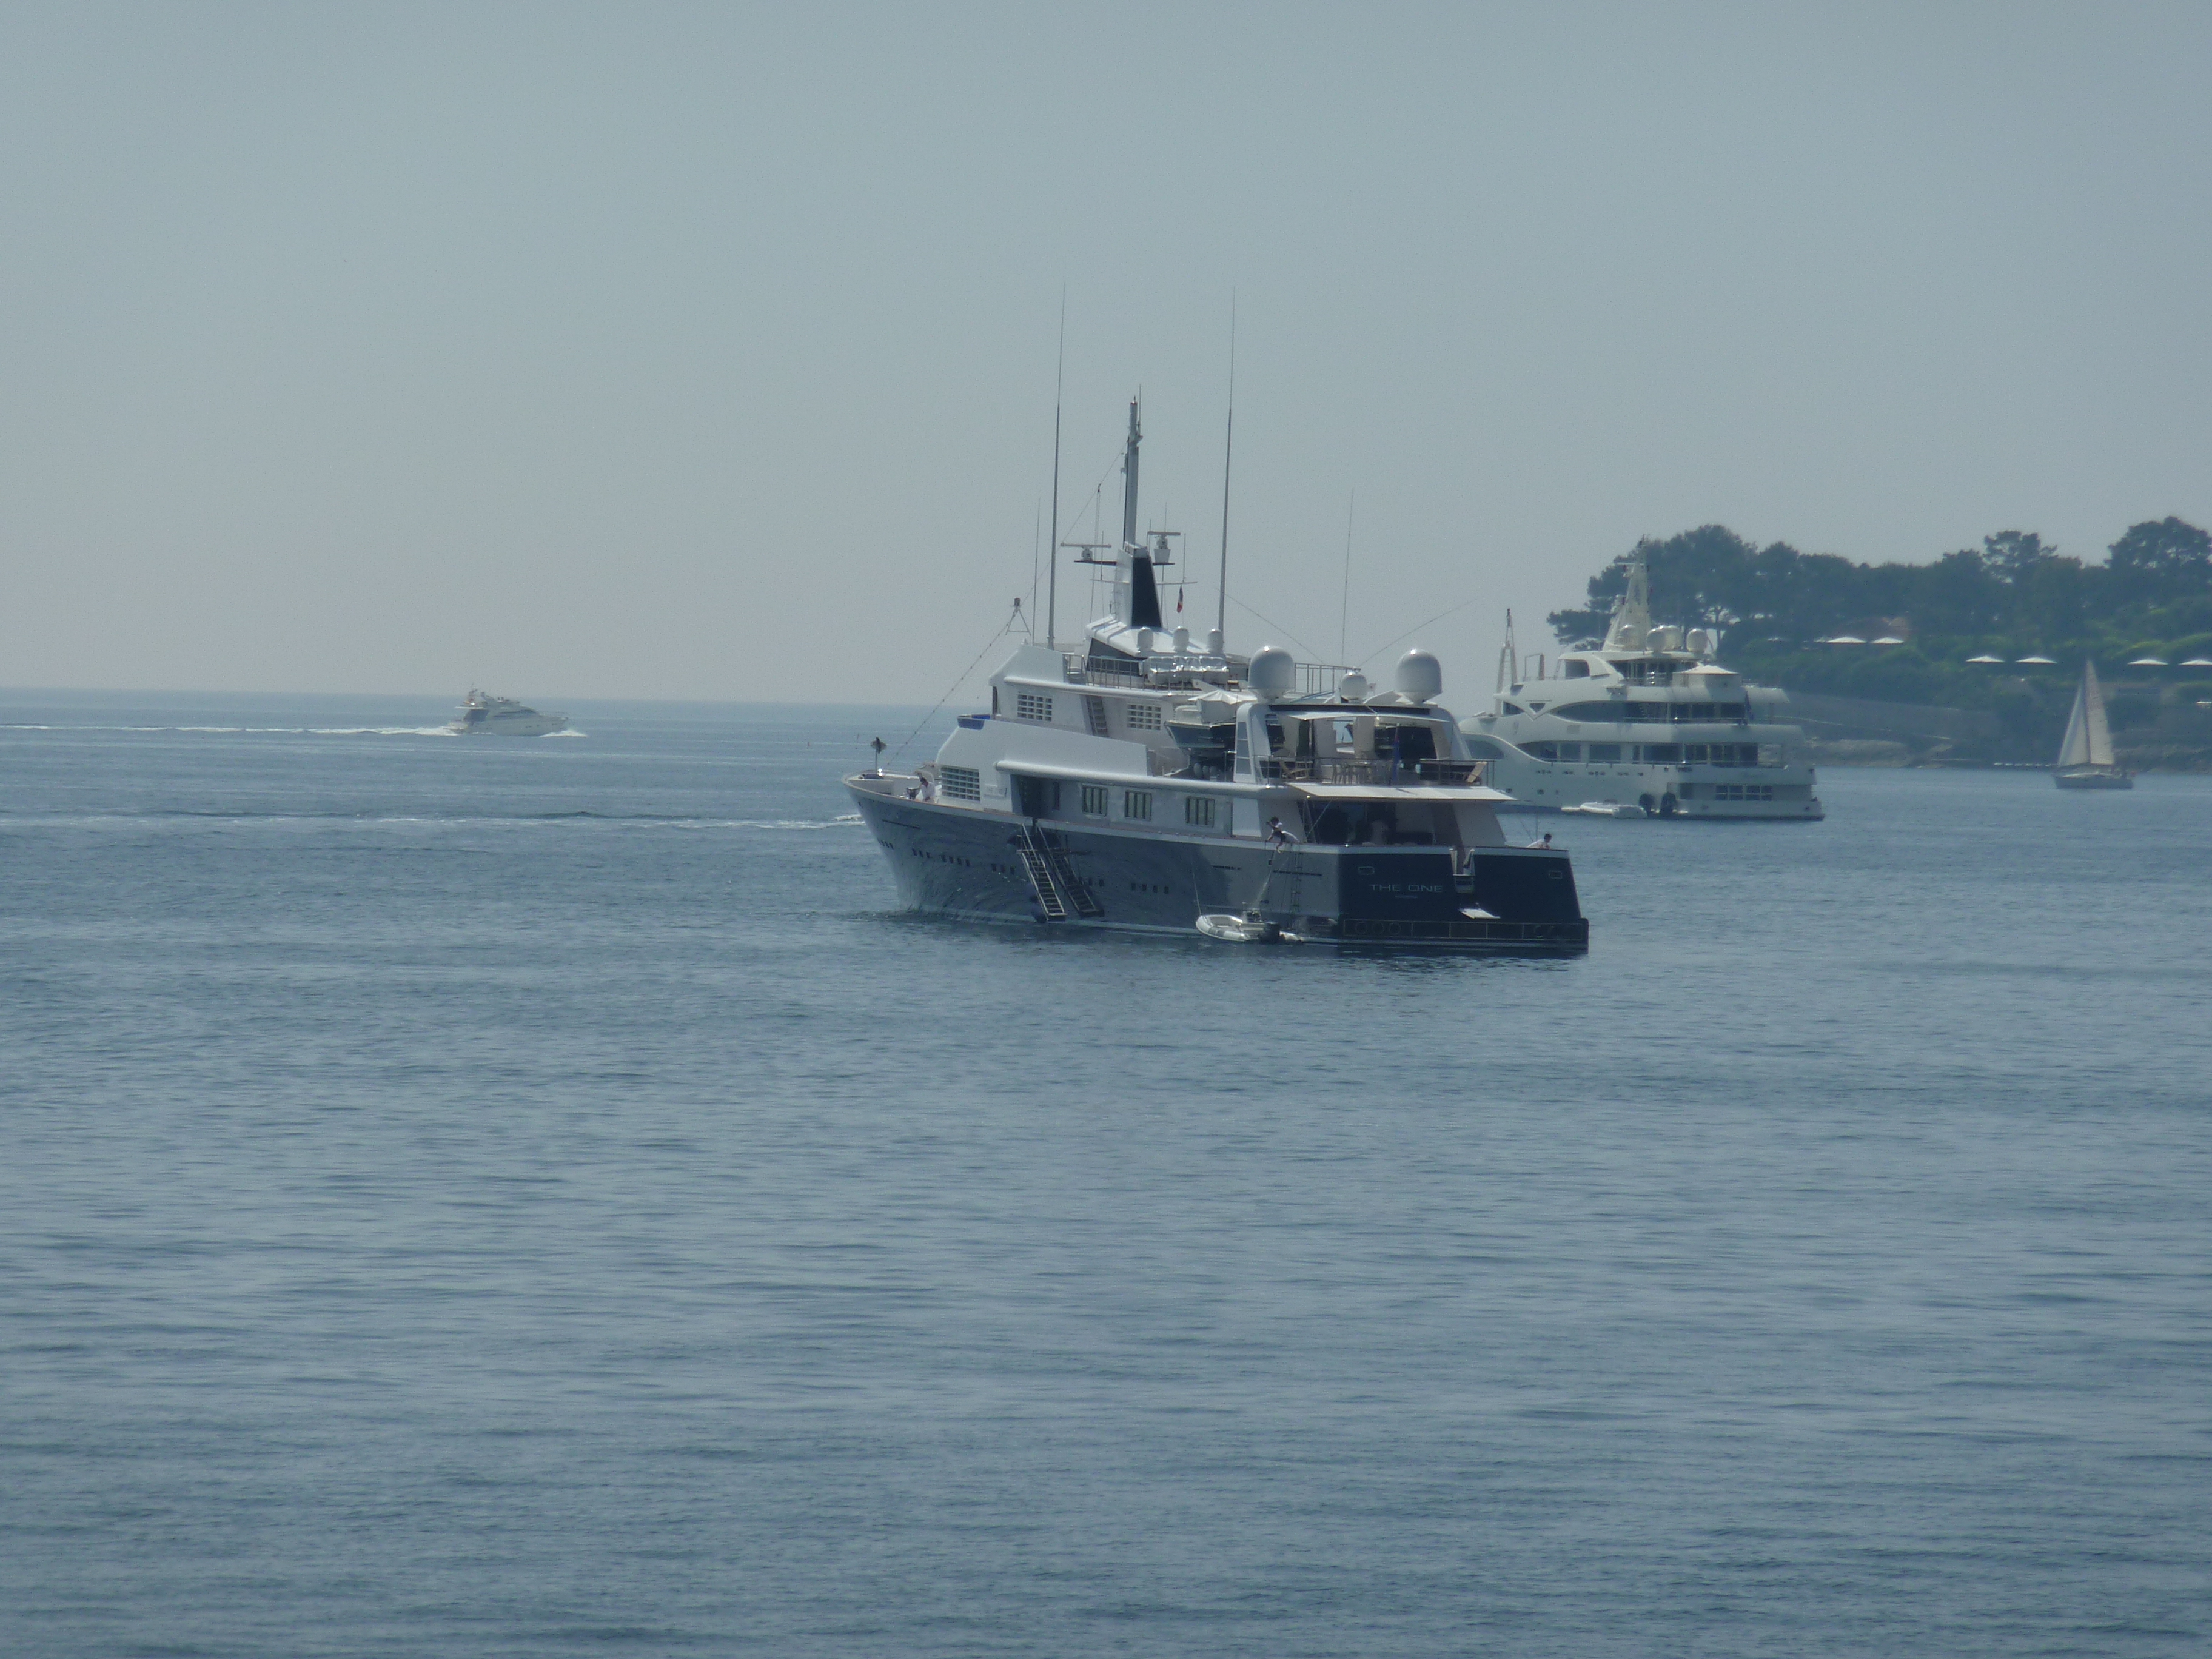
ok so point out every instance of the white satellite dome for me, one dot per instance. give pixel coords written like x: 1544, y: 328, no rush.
x: 1420, y: 677
x: 1274, y: 671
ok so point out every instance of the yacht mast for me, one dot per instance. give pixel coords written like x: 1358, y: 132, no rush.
x: 1631, y: 612
x: 1228, y: 449
x: 1051, y: 547
x: 1136, y: 593
x: 1129, y: 482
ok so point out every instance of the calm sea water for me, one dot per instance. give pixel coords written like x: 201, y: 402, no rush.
x: 537, y: 1197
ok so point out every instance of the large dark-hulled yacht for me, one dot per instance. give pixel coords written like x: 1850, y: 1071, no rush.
x: 1148, y: 783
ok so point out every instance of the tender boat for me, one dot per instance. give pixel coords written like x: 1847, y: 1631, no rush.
x: 1151, y: 783
x: 1650, y: 719
x: 485, y: 716
x: 2085, y: 757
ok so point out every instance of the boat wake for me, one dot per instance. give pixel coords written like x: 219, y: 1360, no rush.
x: 504, y: 820
x: 263, y: 731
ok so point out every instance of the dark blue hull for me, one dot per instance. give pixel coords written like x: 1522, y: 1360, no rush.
x: 954, y: 861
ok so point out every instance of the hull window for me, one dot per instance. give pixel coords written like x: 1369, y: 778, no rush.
x: 1137, y: 804
x: 1141, y: 716
x: 1604, y: 753
x: 963, y: 783
x: 1034, y: 705
x: 1094, y: 800
x: 1198, y: 810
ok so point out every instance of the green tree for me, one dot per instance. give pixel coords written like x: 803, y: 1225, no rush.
x: 1958, y: 594
x: 2012, y: 556
x: 2160, y: 559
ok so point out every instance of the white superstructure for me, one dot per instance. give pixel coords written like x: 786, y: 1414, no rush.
x: 483, y: 715
x: 1649, y: 722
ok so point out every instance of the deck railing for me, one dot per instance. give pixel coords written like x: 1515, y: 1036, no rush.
x: 1373, y: 772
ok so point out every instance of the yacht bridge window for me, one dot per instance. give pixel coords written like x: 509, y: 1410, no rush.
x: 1380, y: 823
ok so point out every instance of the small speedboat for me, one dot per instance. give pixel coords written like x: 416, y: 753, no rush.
x: 1246, y: 930
x: 1608, y: 809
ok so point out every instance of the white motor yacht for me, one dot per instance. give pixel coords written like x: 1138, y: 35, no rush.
x: 1153, y: 783
x: 486, y: 716
x: 1649, y: 720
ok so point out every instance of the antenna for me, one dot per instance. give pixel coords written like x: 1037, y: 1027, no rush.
x: 1129, y: 479
x: 1228, y: 449
x: 1059, y: 383
x: 1344, y: 611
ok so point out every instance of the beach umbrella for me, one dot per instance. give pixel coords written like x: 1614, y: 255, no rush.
x: 2198, y: 662
x: 1889, y: 639
x: 1985, y: 660
x: 1843, y: 639
x: 2148, y: 662
x: 2044, y: 662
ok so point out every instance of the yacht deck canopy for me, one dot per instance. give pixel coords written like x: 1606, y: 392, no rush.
x: 1430, y: 791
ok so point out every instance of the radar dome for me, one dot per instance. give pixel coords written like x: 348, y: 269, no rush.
x: 1273, y: 673
x: 1352, y: 688
x: 1420, y: 677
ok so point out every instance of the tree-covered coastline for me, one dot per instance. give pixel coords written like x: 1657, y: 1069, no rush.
x: 2014, y: 597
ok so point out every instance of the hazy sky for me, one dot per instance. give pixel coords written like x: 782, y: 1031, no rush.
x: 707, y: 351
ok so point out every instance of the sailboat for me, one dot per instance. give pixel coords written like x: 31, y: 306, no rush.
x: 2085, y: 759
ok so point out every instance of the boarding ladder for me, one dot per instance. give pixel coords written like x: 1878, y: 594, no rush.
x: 1060, y: 890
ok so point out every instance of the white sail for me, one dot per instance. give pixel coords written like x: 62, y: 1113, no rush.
x: 2088, y: 737
x: 2074, y: 751
x: 2101, y: 734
